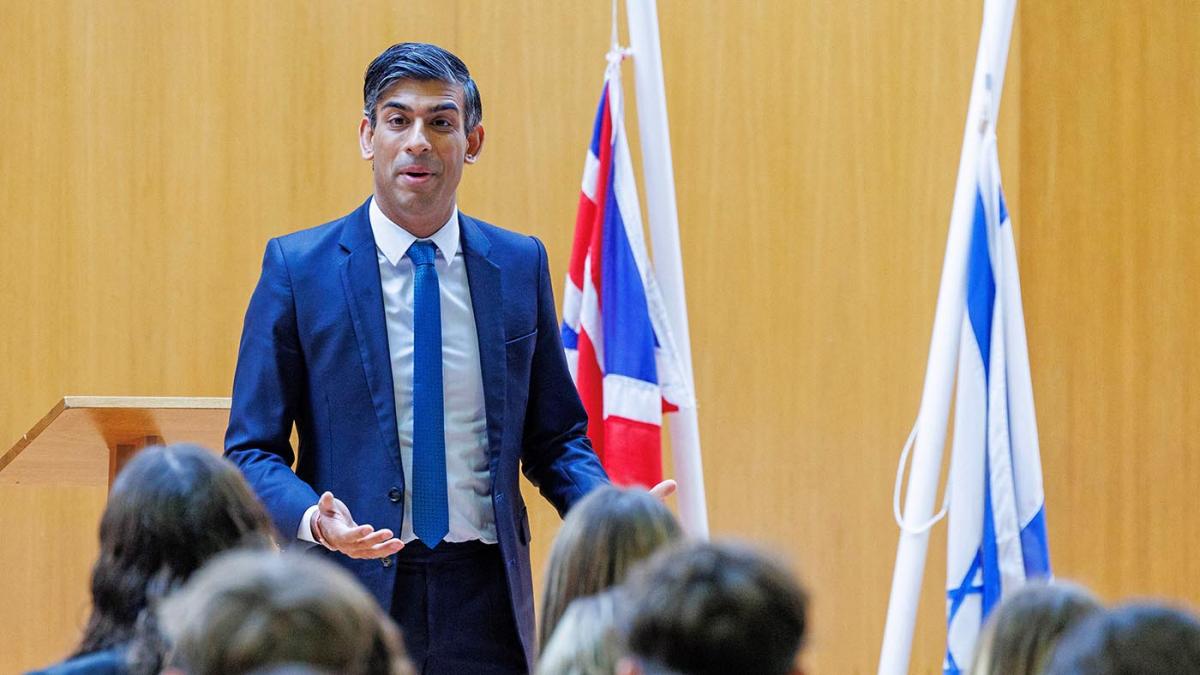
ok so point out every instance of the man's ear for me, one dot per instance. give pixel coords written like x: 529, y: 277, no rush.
x: 366, y: 138
x: 474, y: 144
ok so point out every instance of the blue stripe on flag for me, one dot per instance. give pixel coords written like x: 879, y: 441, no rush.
x: 1035, y: 546
x: 570, y: 338
x: 951, y: 666
x: 628, y: 334
x: 1003, y: 210
x: 599, y: 121
x: 981, y: 285
x: 981, y: 298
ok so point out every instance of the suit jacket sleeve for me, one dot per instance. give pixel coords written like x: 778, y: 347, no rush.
x: 557, y: 456
x: 269, y: 394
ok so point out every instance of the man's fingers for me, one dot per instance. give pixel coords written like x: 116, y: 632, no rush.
x: 379, y: 550
x: 387, y: 547
x: 356, y: 541
x: 664, y: 489
x: 373, y: 538
x: 340, y: 536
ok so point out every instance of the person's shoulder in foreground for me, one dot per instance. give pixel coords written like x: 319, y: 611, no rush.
x: 104, y: 662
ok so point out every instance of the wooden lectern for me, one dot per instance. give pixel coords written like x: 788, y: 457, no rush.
x: 53, y: 485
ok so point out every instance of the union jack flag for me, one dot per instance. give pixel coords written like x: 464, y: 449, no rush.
x: 615, y: 331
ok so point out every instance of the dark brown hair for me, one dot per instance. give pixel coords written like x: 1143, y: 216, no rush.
x: 170, y: 510
x: 715, y: 608
x: 1144, y: 638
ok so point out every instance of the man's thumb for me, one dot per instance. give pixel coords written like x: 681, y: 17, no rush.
x: 325, y: 503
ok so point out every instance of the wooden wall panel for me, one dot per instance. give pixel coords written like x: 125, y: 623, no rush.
x: 816, y: 146
x: 150, y: 149
x: 46, y: 606
x: 1110, y: 255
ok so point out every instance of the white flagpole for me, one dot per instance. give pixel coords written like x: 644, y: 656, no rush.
x: 664, y: 236
x: 934, y: 412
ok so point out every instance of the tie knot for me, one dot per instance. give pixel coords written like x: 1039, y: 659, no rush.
x: 421, y: 252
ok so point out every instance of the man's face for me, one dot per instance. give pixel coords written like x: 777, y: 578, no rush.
x: 418, y: 147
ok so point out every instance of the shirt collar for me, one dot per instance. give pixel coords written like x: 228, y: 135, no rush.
x: 393, y: 241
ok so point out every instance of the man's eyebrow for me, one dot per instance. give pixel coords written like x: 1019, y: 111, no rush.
x: 447, y: 105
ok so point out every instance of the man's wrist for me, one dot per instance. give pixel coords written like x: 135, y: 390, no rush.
x: 304, y: 529
x: 315, y: 526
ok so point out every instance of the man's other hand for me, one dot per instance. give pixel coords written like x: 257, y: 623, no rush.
x: 664, y: 489
x: 333, y: 526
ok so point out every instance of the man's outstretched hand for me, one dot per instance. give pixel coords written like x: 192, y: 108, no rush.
x: 664, y: 489
x: 333, y: 526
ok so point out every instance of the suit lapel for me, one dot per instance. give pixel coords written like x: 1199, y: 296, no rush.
x: 483, y: 277
x: 364, y: 296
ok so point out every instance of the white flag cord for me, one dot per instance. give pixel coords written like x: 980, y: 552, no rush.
x: 990, y: 61
x: 900, y: 520
x: 663, y: 218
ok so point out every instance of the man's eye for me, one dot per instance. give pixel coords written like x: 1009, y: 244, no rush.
x: 396, y: 121
x: 442, y: 123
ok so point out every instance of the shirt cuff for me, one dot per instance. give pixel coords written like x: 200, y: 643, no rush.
x: 304, y: 533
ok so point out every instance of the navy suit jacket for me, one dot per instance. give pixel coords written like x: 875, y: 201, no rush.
x: 314, y: 352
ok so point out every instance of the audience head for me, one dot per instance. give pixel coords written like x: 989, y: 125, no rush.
x: 1024, y: 627
x: 600, y: 539
x: 249, y: 611
x: 587, y: 640
x: 170, y: 509
x: 1138, y: 638
x: 710, y: 608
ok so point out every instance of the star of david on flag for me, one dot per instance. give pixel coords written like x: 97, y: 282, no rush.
x: 997, y: 531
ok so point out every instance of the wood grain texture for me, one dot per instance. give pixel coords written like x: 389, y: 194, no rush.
x: 151, y: 149
x: 1110, y: 256
x: 49, y: 546
x: 84, y: 440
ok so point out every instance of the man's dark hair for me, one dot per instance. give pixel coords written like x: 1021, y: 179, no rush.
x: 420, y: 61
x: 1138, y: 638
x: 709, y: 608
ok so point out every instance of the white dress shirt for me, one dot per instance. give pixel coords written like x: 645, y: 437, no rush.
x: 468, y: 481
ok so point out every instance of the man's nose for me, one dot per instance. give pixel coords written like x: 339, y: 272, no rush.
x: 418, y: 141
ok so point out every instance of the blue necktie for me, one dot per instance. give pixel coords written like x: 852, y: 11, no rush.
x: 430, y: 511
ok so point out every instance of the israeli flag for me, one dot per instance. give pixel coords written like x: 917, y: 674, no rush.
x: 997, y: 530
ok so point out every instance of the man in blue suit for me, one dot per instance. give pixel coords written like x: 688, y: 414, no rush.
x: 417, y: 352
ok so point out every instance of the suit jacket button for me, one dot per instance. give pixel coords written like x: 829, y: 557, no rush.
x: 386, y: 562
x: 395, y: 495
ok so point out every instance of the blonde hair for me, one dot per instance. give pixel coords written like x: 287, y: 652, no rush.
x: 587, y: 640
x: 600, y: 539
x: 1024, y: 628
